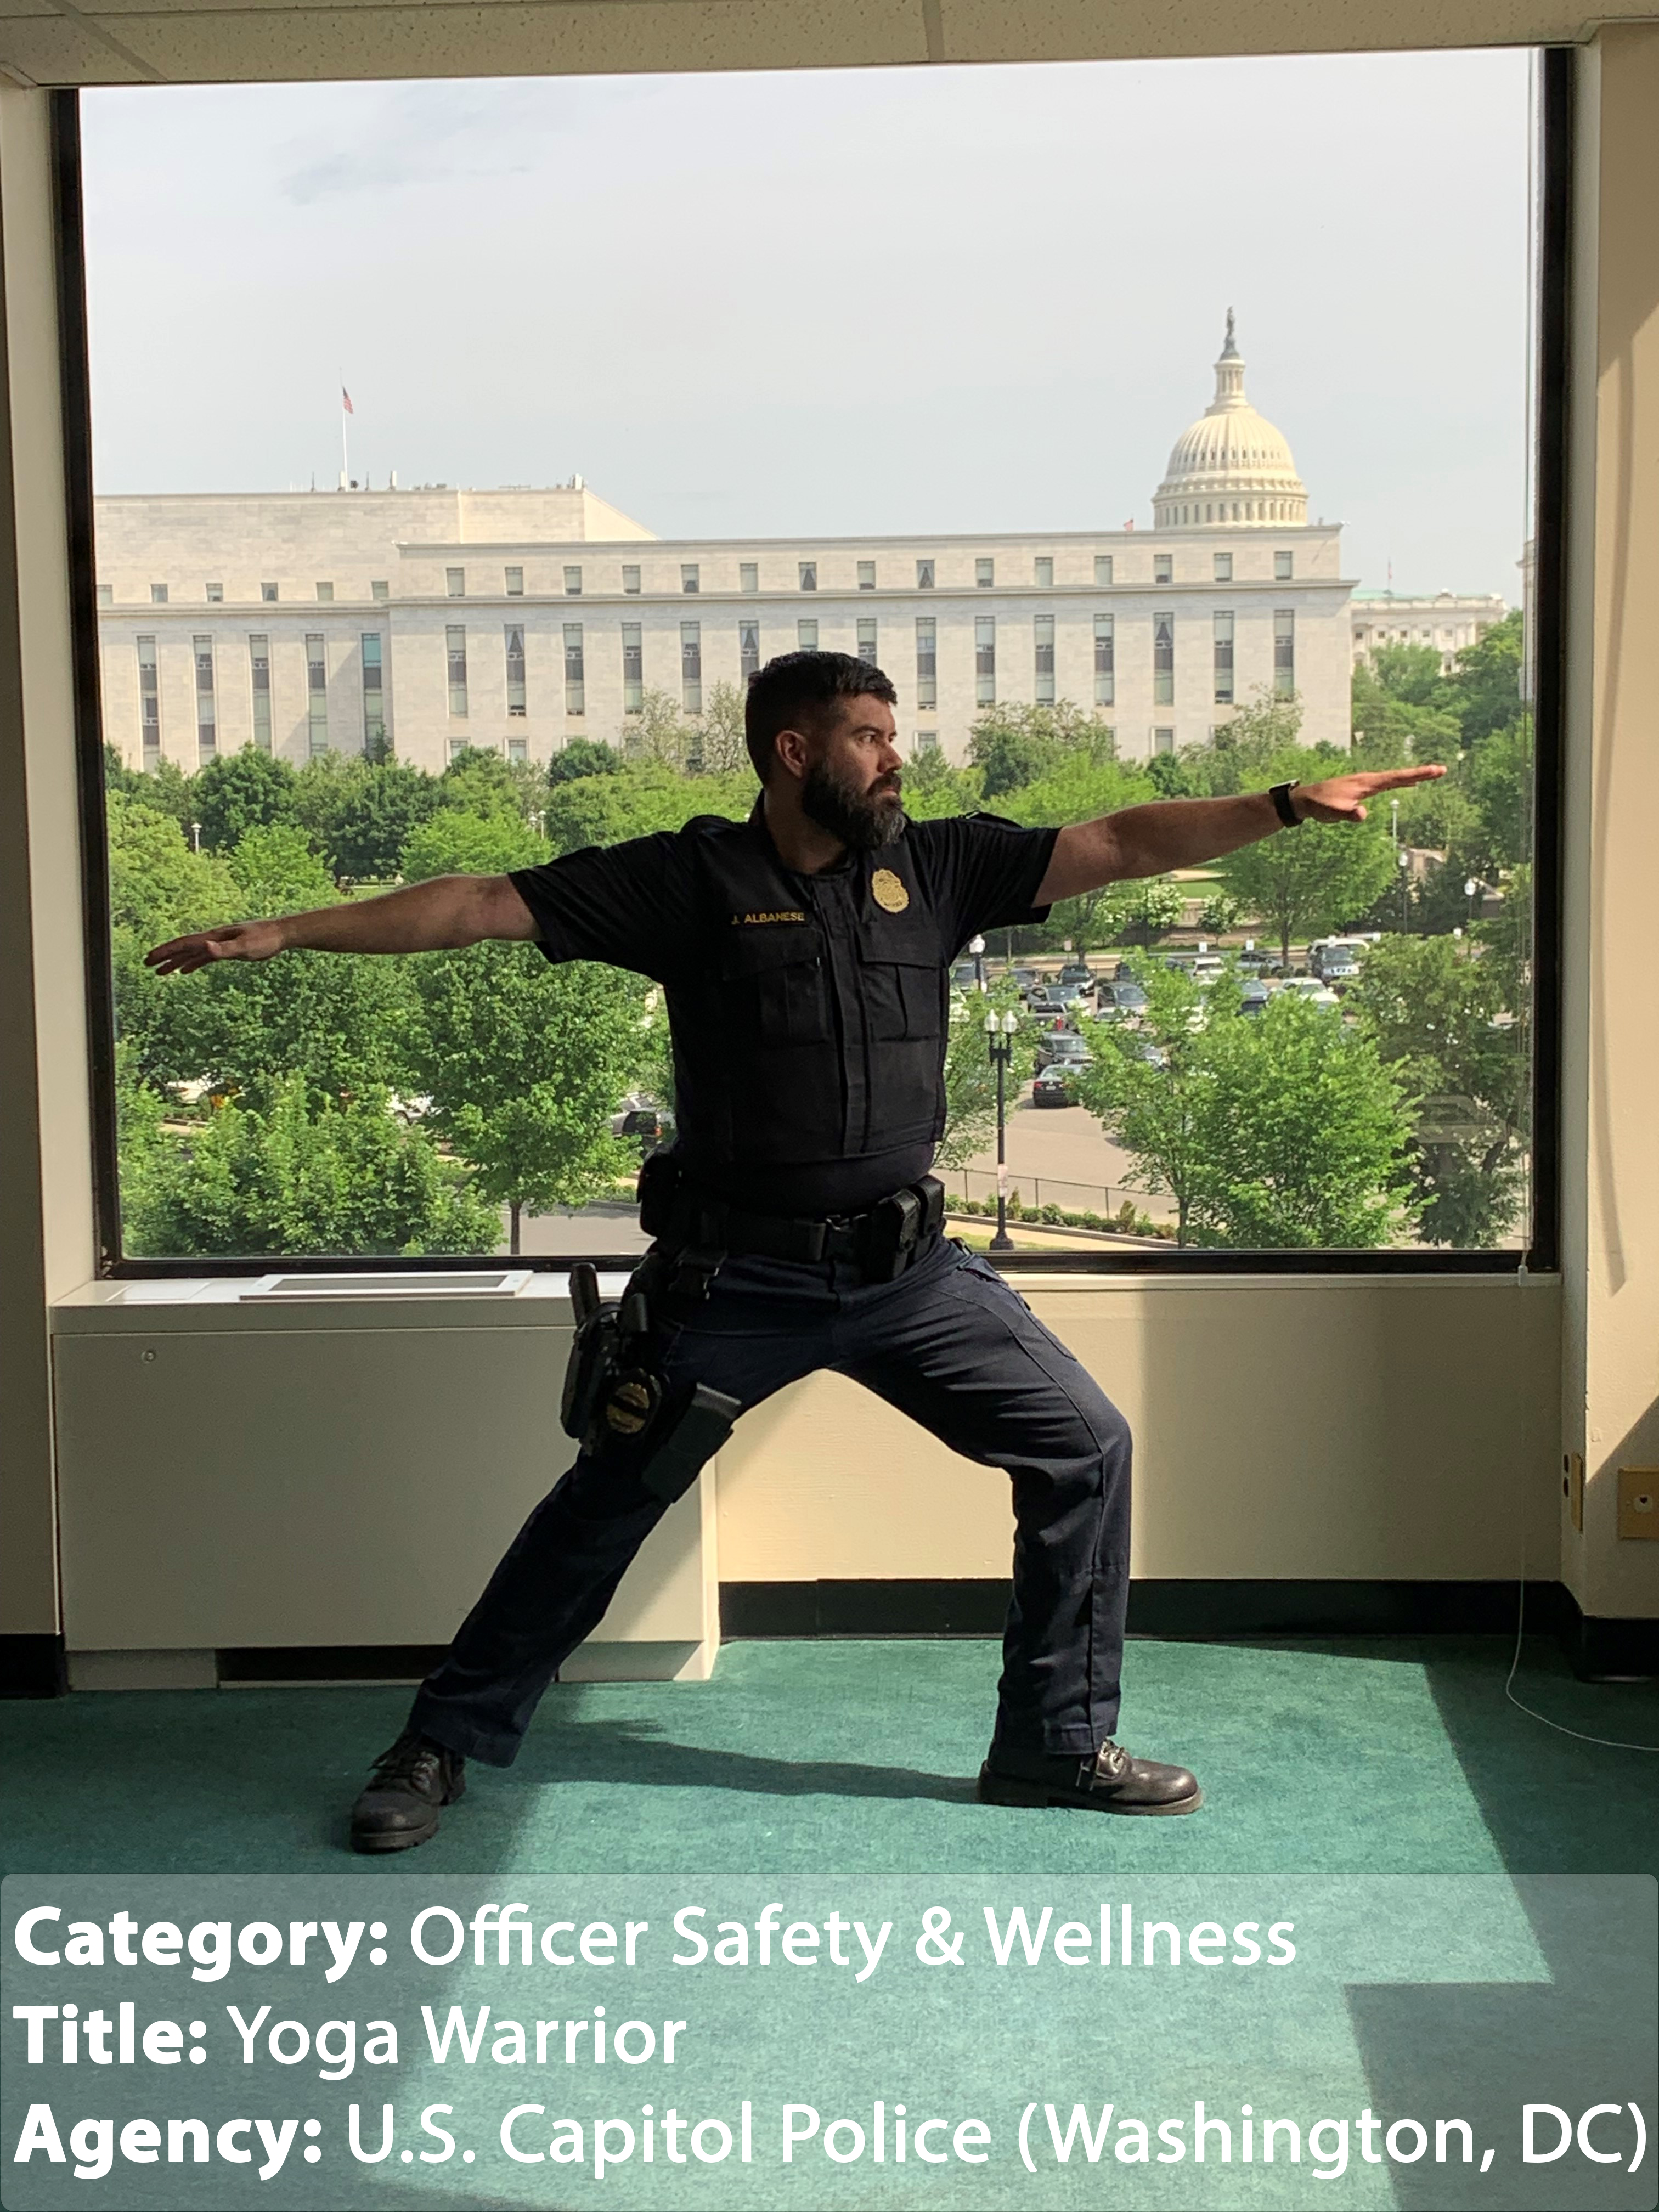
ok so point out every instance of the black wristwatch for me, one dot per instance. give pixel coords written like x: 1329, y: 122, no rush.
x: 1284, y: 806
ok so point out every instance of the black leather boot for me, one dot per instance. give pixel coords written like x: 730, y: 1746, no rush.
x: 1105, y: 1781
x: 410, y: 1784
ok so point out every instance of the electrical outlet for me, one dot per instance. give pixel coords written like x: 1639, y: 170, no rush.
x: 1638, y: 1501
x: 1572, y: 1487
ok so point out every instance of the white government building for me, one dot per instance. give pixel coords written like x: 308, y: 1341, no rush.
x: 432, y: 619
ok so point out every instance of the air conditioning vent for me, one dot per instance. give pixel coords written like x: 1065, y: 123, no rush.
x: 482, y: 1283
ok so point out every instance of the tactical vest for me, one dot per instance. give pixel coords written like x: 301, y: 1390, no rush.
x: 814, y: 1027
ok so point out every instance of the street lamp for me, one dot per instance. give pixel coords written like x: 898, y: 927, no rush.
x: 999, y: 1042
x: 195, y: 836
x: 1471, y: 886
x: 977, y: 946
x: 1405, y: 860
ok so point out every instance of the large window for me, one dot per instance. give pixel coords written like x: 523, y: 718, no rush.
x: 517, y: 698
x: 1042, y: 674
x: 927, y: 661
x: 207, y: 720
x: 374, y: 697
x: 1105, y: 659
x: 317, y: 691
x: 1164, y: 660
x: 1222, y: 623
x: 691, y: 667
x: 455, y: 655
x: 258, y: 664
x: 1320, y: 1060
x: 985, y: 659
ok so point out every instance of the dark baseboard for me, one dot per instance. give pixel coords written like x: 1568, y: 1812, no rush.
x: 33, y: 1666
x: 329, y: 1662
x: 1210, y: 1610
x: 1168, y: 1609
x: 1599, y: 1648
x: 898, y: 1608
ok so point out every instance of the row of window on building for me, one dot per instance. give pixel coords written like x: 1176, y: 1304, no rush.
x: 690, y: 670
x: 749, y: 578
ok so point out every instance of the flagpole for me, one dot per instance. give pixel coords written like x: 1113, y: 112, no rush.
x: 345, y: 457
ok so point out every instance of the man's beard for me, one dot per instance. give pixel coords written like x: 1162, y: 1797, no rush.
x: 864, y: 821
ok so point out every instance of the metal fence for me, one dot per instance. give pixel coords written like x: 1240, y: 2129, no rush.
x: 1046, y: 1190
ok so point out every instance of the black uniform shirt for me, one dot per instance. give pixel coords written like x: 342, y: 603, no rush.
x: 647, y: 905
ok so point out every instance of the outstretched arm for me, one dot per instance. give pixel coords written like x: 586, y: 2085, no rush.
x: 1181, y: 833
x: 447, y: 912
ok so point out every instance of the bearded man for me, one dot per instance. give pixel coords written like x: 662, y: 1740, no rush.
x: 805, y: 955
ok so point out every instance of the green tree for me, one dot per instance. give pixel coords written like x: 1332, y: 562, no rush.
x: 454, y: 843
x: 239, y: 792
x: 1244, y: 749
x: 932, y: 788
x: 288, y: 1172
x: 1013, y: 745
x: 1283, y: 1132
x: 1486, y: 679
x: 1439, y: 1012
x: 583, y: 757
x: 1150, y: 1087
x: 1308, y: 1133
x: 481, y: 781
x: 1497, y: 776
x: 159, y: 888
x: 164, y: 789
x: 646, y: 796
x: 723, y: 749
x: 1307, y: 881
x: 375, y: 808
x: 524, y: 1063
x: 971, y: 1087
x: 659, y: 732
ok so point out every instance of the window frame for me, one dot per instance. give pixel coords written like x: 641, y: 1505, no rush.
x: 1552, y: 366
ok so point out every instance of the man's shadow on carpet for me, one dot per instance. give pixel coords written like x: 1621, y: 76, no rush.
x: 635, y: 1755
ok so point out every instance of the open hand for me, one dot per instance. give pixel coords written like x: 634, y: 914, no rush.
x: 1342, y: 798
x: 236, y: 940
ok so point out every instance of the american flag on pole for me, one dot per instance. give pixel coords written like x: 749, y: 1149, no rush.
x: 345, y: 401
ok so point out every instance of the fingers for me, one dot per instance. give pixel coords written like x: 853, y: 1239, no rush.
x: 183, y: 956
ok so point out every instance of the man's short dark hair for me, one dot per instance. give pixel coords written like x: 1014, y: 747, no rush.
x: 803, y: 689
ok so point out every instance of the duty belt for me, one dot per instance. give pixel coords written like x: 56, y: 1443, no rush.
x: 882, y: 1239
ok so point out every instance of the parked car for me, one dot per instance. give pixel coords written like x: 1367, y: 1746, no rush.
x: 1136, y: 1047
x: 1057, y: 1045
x: 1253, y: 999
x: 1024, y: 980
x: 1056, y: 1086
x: 1312, y: 988
x: 640, y: 1116
x: 1335, y: 959
x: 1079, y: 972
x: 1117, y: 1000
x: 964, y: 975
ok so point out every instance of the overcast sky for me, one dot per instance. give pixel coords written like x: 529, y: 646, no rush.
x: 842, y: 301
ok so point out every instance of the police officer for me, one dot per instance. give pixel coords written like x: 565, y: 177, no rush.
x: 804, y: 956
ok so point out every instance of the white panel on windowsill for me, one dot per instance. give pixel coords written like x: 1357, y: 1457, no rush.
x: 482, y: 1283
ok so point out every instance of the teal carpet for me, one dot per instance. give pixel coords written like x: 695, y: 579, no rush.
x: 1333, y: 1756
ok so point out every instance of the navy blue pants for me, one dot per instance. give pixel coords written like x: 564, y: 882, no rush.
x: 951, y: 1345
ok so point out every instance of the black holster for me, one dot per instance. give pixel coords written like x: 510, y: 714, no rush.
x: 612, y: 1389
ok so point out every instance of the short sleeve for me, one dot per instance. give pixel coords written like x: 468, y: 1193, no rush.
x: 628, y: 905
x: 984, y: 871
